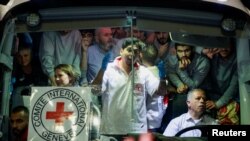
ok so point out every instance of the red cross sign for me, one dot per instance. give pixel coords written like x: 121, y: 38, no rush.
x: 59, y: 115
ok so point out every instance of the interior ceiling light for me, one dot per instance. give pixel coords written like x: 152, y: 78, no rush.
x: 33, y: 20
x: 228, y: 24
x: 221, y: 0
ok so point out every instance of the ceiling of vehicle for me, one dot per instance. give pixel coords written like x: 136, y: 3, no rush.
x: 246, y: 3
x: 185, y: 16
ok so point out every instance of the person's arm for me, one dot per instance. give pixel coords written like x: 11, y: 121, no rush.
x: 209, y: 52
x: 230, y: 92
x: 46, y: 54
x: 76, y: 36
x: 200, y: 68
x: 52, y: 81
x: 153, y: 83
x: 172, y: 66
x: 99, y: 76
x: 83, y: 65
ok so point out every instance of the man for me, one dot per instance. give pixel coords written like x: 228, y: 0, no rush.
x: 224, y: 90
x: 196, y: 103
x: 87, y: 41
x: 155, y: 105
x: 186, y: 70
x: 95, y: 53
x: 28, y: 70
x: 163, y: 43
x: 19, y: 121
x: 124, y: 90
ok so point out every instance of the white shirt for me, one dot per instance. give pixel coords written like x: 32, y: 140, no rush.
x: 184, y: 121
x: 123, y: 111
x: 155, y: 106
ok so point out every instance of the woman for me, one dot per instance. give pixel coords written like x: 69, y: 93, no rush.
x: 65, y: 75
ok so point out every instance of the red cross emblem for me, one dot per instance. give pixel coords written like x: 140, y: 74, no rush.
x: 59, y: 115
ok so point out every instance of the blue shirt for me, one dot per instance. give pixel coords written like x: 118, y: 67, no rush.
x: 94, y: 60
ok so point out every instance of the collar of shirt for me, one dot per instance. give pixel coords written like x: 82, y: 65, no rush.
x: 188, y: 117
x: 119, y: 58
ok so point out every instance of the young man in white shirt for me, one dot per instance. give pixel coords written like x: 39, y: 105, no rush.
x: 124, y: 90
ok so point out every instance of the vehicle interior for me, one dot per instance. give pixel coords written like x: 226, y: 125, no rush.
x: 206, y: 23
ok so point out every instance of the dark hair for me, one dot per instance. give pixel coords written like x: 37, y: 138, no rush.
x: 92, y: 31
x: 20, y: 109
x: 25, y: 47
x: 133, y: 41
x: 150, y: 53
x: 183, y: 44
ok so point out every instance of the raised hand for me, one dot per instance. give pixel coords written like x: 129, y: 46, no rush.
x: 162, y: 71
x: 184, y: 62
x: 107, y: 58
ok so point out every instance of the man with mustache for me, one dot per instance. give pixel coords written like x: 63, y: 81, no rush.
x: 186, y: 70
x: 103, y: 44
x: 19, y: 121
x: 196, y: 103
x: 163, y: 43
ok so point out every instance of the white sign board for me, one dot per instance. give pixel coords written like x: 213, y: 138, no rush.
x: 59, y: 114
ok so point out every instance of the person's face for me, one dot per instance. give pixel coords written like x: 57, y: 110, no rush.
x: 197, y: 102
x: 62, y: 78
x: 24, y: 57
x: 183, y: 52
x: 162, y: 37
x: 105, y: 38
x: 87, y: 38
x: 119, y: 33
x: 19, y: 122
x: 136, y: 33
x: 127, y: 54
x: 225, y: 52
x: 142, y: 36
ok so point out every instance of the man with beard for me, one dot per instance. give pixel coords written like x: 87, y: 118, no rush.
x: 196, y: 103
x: 125, y: 84
x: 186, y: 70
x: 163, y: 44
x: 19, y: 121
x: 104, y: 43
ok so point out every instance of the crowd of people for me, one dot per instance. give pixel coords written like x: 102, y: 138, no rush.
x: 158, y: 85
